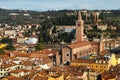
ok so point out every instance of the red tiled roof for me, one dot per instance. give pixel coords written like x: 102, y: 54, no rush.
x: 83, y: 61
x: 23, y: 55
x: 19, y: 70
x: 108, y: 75
x: 104, y: 52
x: 79, y: 44
x: 4, y: 57
x: 37, y: 55
x: 27, y: 63
x: 36, y: 67
x: 94, y: 43
x: 43, y: 53
x: 40, y: 78
x: 8, y: 64
x: 14, y: 78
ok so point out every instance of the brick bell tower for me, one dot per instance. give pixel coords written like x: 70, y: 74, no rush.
x: 101, y: 44
x: 79, y: 28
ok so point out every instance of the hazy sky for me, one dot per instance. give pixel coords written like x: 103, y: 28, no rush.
x: 59, y: 4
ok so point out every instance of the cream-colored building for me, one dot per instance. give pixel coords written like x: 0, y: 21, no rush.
x: 10, y: 32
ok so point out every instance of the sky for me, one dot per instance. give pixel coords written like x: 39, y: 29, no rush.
x: 43, y: 5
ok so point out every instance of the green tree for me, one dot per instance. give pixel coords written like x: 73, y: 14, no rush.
x: 54, y: 29
x: 40, y: 40
x: 27, y: 34
x: 47, y: 37
x: 66, y: 37
x: 6, y: 40
x: 10, y: 47
x: 2, y: 51
x: 44, y: 37
x: 39, y: 46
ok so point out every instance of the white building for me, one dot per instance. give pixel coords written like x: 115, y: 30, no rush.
x: 31, y: 41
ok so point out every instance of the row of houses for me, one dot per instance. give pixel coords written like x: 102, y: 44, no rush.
x: 17, y: 64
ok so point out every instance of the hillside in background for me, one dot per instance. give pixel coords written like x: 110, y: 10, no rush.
x: 26, y: 16
x: 61, y: 17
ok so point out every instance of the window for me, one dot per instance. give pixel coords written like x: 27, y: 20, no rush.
x: 99, y: 61
x: 67, y: 55
x: 75, y: 56
x: 5, y: 74
x: 92, y: 66
x: 104, y: 61
x: 78, y: 25
x: 18, y: 67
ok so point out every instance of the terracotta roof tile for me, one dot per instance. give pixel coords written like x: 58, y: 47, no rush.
x: 4, y: 57
x: 36, y: 67
x: 14, y: 78
x: 7, y: 64
x: 108, y: 75
x: 23, y: 55
x: 19, y: 70
x: 83, y: 61
x: 40, y: 78
x: 79, y: 44
x: 27, y: 63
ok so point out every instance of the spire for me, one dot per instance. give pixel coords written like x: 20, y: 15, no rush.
x: 79, y: 16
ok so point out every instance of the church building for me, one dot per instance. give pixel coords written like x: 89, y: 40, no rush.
x: 81, y: 47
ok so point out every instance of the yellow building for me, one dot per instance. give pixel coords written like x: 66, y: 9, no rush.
x: 2, y: 45
x: 99, y: 65
x: 58, y: 78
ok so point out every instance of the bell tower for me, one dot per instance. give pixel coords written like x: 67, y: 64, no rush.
x: 101, y: 45
x: 79, y: 28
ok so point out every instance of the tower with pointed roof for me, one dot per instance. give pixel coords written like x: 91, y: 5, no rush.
x: 79, y: 28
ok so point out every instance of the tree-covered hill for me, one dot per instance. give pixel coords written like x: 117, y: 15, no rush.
x: 60, y: 17
x: 18, y: 16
